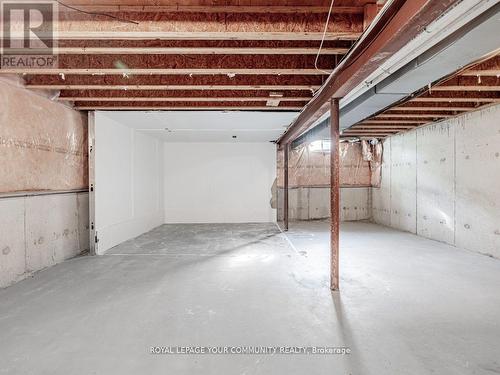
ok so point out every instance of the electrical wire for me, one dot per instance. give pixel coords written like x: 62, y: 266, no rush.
x: 97, y: 13
x: 323, y: 39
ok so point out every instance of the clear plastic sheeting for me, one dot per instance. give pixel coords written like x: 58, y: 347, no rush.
x: 309, y: 164
x: 309, y: 179
x: 43, y: 144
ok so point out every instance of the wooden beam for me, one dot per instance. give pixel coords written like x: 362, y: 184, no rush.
x: 205, y: 26
x: 173, y: 87
x: 451, y: 99
x: 366, y: 131
x: 178, y: 99
x: 465, y: 88
x: 375, y: 122
x: 183, y: 65
x: 196, y: 51
x: 436, y: 109
x: 400, y: 23
x: 186, y: 35
x: 479, y: 73
x: 178, y: 8
x: 132, y: 71
x: 334, y: 194
x: 379, y: 127
x: 162, y: 108
x: 410, y: 115
x: 167, y: 80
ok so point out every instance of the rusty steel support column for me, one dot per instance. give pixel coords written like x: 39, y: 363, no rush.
x: 334, y: 193
x: 285, y: 187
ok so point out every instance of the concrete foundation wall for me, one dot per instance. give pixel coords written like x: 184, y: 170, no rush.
x: 39, y: 231
x: 309, y: 203
x: 43, y: 153
x: 442, y: 182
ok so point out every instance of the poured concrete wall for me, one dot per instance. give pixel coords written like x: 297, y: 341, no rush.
x: 442, y: 182
x: 310, y: 203
x: 309, y: 183
x: 43, y: 151
x: 39, y: 231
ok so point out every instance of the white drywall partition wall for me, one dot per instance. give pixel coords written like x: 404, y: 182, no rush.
x: 219, y: 182
x: 128, y: 182
x: 441, y: 182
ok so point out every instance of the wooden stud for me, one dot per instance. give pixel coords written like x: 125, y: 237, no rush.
x: 285, y: 187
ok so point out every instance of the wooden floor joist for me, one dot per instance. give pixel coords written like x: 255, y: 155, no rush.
x: 181, y: 99
x: 174, y: 87
x: 166, y: 108
x: 180, y: 71
x: 412, y: 115
x: 466, y: 91
x: 282, y: 9
x: 197, y: 51
x: 188, y: 35
x: 466, y: 88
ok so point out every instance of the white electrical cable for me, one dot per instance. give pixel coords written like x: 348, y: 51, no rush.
x: 323, y: 39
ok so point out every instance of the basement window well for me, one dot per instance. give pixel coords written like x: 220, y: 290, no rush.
x: 320, y: 146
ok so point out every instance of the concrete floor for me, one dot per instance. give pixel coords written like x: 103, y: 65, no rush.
x: 408, y: 305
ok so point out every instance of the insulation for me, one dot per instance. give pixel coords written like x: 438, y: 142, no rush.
x: 43, y: 144
x: 311, y: 168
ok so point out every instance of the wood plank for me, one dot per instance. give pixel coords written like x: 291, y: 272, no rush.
x: 465, y: 88
x: 173, y: 87
x: 179, y: 99
x: 366, y: 131
x: 366, y: 122
x: 398, y: 25
x: 161, y: 108
x: 187, y: 65
x: 485, y: 72
x: 196, y: 51
x: 436, y: 109
x: 184, y: 35
x: 205, y: 26
x: 213, y: 8
x: 379, y: 127
x: 451, y: 99
x: 146, y: 71
x: 411, y: 115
